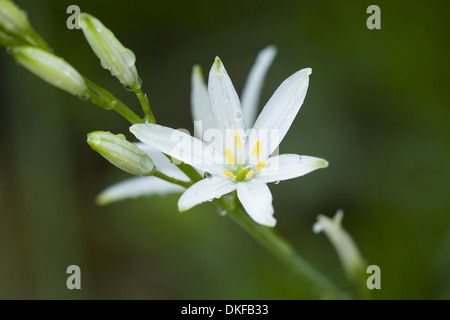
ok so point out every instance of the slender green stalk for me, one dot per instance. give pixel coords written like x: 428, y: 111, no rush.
x: 282, y: 250
x: 106, y: 100
x: 145, y: 106
x: 172, y: 180
x: 36, y: 40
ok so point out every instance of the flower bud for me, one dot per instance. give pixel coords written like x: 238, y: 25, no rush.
x: 121, y: 153
x: 12, y: 19
x: 112, y: 54
x: 51, y: 68
x: 349, y: 255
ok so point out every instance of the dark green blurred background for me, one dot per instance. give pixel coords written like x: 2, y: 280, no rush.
x: 377, y: 109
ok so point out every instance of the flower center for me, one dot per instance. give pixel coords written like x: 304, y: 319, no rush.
x: 242, y: 171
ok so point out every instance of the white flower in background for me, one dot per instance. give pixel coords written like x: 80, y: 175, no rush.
x: 245, y: 163
x: 201, y: 114
x: 349, y: 255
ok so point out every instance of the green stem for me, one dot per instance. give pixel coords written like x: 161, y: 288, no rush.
x: 282, y: 250
x: 172, y: 180
x: 106, y: 100
x: 145, y: 105
x: 36, y: 40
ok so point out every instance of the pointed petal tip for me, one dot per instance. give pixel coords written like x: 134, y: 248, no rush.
x: 218, y: 67
x: 270, y: 50
x: 102, y: 200
x: 197, y: 73
x: 322, y: 163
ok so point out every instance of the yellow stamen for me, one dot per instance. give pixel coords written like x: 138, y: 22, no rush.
x: 261, y: 165
x: 257, y: 149
x: 249, y: 174
x: 230, y: 157
x: 229, y: 174
x: 237, y: 140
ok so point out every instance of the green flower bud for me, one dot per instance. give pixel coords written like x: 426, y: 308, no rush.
x: 13, y: 19
x: 112, y: 54
x: 51, y: 68
x: 121, y: 153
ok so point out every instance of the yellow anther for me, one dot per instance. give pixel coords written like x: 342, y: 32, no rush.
x: 249, y: 174
x: 261, y: 165
x: 230, y: 157
x: 257, y: 149
x: 237, y: 140
x: 229, y: 174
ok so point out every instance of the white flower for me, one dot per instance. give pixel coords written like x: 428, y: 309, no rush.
x: 201, y: 114
x: 244, y: 163
x: 349, y: 255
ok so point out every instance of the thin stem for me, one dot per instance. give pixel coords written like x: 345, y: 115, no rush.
x: 282, y: 250
x: 36, y: 40
x: 106, y: 100
x: 145, y: 105
x: 172, y: 180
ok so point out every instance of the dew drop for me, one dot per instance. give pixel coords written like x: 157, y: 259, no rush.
x: 139, y: 81
x: 277, y: 182
x: 130, y: 57
x: 128, y: 88
x: 84, y: 96
x: 238, y: 115
x: 104, y: 65
x: 222, y: 212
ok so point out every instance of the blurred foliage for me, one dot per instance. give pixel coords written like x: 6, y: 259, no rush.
x: 377, y: 110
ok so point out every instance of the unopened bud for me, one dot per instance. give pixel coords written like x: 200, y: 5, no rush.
x: 12, y: 19
x: 349, y: 255
x: 51, y: 68
x: 112, y: 54
x: 121, y: 153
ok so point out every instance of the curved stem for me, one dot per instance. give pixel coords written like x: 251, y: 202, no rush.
x: 172, y: 180
x: 282, y: 250
x: 145, y: 106
x: 106, y: 100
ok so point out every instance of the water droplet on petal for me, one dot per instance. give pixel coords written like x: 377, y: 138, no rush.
x: 277, y: 182
x: 129, y: 57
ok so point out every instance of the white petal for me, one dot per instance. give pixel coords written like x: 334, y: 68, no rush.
x: 205, y: 190
x: 137, y: 187
x: 225, y: 105
x: 255, y: 81
x: 256, y: 198
x: 180, y: 146
x: 162, y: 163
x: 289, y: 166
x: 280, y: 111
x: 349, y: 254
x: 200, y: 108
